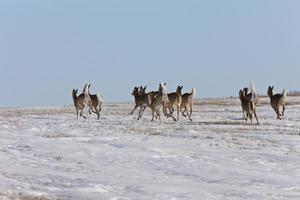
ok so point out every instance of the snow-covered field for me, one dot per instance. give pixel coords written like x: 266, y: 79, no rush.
x: 47, y: 154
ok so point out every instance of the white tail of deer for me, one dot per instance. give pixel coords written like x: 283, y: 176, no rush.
x: 194, y: 93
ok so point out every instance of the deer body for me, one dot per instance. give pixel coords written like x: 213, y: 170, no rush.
x: 175, y: 100
x: 142, y: 100
x: 159, y: 102
x: 187, y: 103
x: 248, y: 103
x: 94, y: 102
x: 277, y: 101
x: 79, y: 102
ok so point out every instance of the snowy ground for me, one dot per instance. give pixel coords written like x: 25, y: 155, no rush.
x: 47, y: 154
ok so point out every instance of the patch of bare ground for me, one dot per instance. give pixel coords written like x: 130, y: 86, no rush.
x: 21, y: 196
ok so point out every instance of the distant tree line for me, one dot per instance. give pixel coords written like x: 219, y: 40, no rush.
x: 294, y: 93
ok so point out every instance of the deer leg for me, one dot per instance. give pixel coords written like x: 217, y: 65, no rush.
x: 171, y: 112
x: 140, y: 113
x: 244, y: 115
x: 165, y: 110
x: 77, y: 112
x: 138, y: 118
x: 98, y: 113
x: 135, y: 107
x: 158, y: 114
x: 276, y: 111
x: 81, y: 114
x: 172, y: 109
x: 143, y: 111
x: 178, y: 110
x: 94, y: 111
x: 255, y: 115
x: 278, y: 114
x: 185, y: 110
x: 152, y: 114
x: 283, y: 109
x: 191, y: 111
x: 190, y: 116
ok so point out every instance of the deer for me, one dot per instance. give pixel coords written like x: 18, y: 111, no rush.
x: 249, y: 99
x: 187, y: 104
x: 96, y: 102
x: 175, y: 99
x: 159, y: 102
x: 277, y: 101
x: 142, y: 100
x: 80, y: 101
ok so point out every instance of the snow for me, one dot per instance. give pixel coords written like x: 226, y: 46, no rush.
x: 47, y: 154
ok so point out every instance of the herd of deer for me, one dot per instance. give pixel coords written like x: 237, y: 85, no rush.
x: 161, y: 100
x: 249, y: 100
x: 168, y: 103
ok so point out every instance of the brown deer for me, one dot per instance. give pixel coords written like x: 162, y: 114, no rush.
x: 142, y: 100
x: 159, y: 101
x: 248, y: 102
x: 187, y: 103
x: 175, y: 100
x: 277, y: 101
x: 80, y: 101
x: 96, y: 103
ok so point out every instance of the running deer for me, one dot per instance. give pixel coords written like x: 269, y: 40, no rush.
x: 142, y: 91
x: 277, y: 101
x: 142, y: 100
x: 249, y: 99
x: 187, y: 103
x: 159, y: 101
x: 80, y: 101
x: 175, y: 100
x: 96, y: 102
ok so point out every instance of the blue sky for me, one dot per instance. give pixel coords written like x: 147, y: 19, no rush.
x: 49, y: 47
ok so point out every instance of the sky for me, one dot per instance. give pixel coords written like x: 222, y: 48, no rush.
x: 49, y: 47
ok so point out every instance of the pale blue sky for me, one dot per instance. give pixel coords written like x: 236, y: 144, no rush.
x: 49, y: 47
